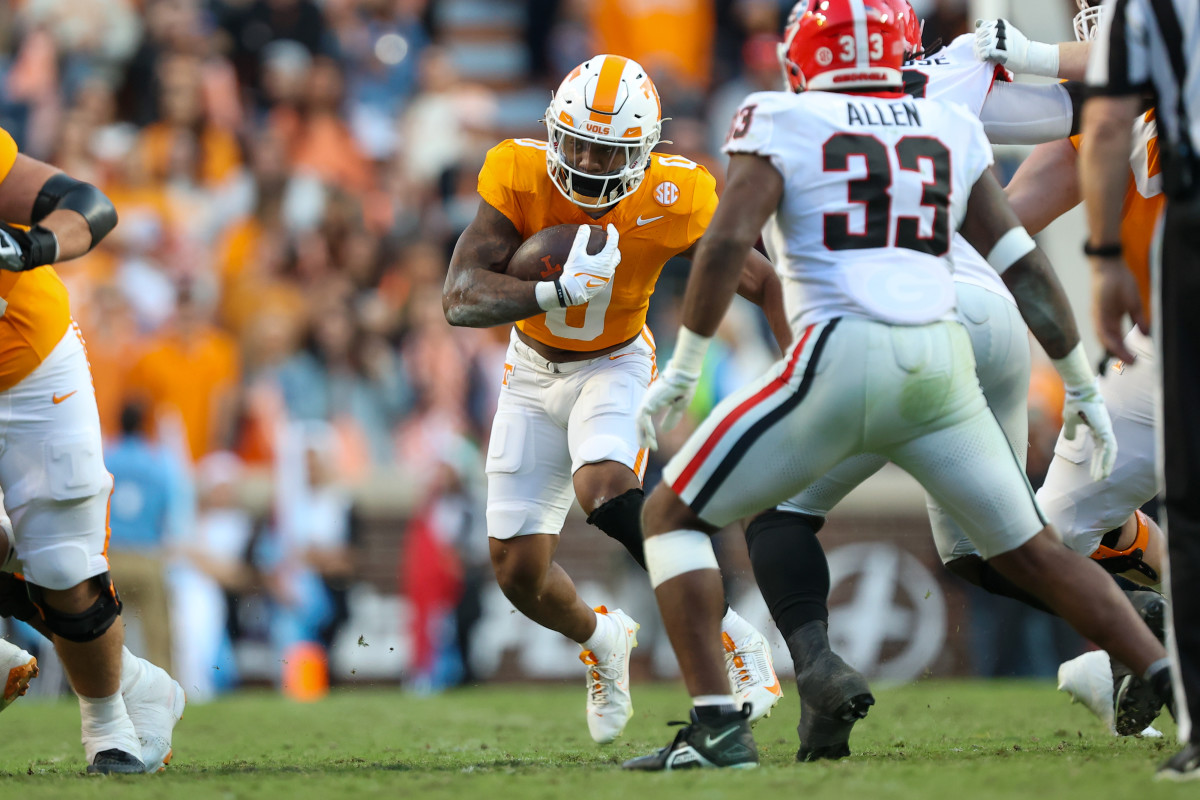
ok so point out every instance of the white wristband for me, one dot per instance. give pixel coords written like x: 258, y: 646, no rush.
x: 547, y: 295
x: 690, y: 348
x: 1075, y: 369
x: 1010, y: 248
x: 1043, y: 59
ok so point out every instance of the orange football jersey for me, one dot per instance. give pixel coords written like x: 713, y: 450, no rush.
x: 663, y: 217
x: 34, y: 309
x: 1143, y: 203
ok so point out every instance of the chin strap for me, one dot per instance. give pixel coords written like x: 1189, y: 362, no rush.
x: 1132, y: 557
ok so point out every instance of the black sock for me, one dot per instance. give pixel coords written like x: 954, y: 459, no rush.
x: 790, y: 567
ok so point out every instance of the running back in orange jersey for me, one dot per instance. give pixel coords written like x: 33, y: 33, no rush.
x: 664, y: 216
x: 1143, y: 203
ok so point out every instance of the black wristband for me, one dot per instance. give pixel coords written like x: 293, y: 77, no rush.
x: 1103, y: 250
x: 43, y: 247
x: 562, y: 296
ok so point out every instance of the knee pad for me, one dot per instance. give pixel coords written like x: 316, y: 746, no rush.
x: 1132, y: 557
x: 86, y: 626
x: 621, y: 519
x: 14, y: 598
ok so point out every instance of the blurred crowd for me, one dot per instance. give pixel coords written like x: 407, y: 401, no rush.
x: 291, y: 177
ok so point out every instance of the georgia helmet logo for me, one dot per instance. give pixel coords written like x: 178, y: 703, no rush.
x: 666, y: 193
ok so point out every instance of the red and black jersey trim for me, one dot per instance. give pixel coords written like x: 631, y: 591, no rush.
x: 748, y: 439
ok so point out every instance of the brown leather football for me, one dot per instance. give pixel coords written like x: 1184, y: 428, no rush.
x: 541, y: 256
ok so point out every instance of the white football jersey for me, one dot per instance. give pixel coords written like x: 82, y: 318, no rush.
x: 873, y: 190
x: 954, y: 75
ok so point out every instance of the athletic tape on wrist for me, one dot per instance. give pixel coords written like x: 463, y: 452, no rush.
x: 548, y: 294
x: 677, y: 552
x: 1074, y: 369
x: 1011, y: 248
x: 690, y: 348
x: 1042, y: 59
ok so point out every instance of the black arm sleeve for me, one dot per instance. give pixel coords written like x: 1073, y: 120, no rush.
x: 64, y: 192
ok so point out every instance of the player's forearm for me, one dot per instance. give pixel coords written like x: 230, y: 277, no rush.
x: 71, y: 230
x: 712, y: 284
x: 1072, y: 60
x: 1043, y: 303
x: 1104, y: 164
x: 481, y: 299
x: 760, y: 285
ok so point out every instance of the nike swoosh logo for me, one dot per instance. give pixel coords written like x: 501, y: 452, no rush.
x: 596, y: 283
x: 620, y: 355
x: 641, y: 221
x: 57, y: 399
x: 710, y: 741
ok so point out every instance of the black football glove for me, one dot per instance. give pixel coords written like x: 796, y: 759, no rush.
x: 22, y: 250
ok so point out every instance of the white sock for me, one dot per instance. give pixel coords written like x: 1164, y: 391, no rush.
x: 106, y: 725
x: 702, y: 700
x: 132, y: 669
x: 735, y: 626
x: 602, y: 642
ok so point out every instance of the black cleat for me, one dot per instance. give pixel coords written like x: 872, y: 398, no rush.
x: 833, y: 695
x: 1183, y: 766
x: 1137, y: 703
x: 109, y: 762
x: 725, y: 741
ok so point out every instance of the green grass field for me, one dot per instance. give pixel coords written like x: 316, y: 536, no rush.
x: 933, y: 740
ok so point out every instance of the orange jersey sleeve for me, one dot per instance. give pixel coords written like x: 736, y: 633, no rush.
x: 664, y: 216
x: 8, y: 153
x: 1143, y: 203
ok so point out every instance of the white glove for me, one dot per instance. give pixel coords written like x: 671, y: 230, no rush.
x: 1085, y: 405
x: 1000, y: 42
x: 584, y: 276
x: 674, y: 387
x: 673, y: 391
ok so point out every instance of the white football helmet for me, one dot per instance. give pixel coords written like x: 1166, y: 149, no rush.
x: 602, y: 122
x: 1087, y: 20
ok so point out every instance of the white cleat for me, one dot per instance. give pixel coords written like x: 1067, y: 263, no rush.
x: 155, y: 703
x: 17, y: 668
x: 609, y: 706
x: 751, y: 674
x: 1088, y: 680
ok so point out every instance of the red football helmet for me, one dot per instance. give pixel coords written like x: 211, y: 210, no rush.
x: 840, y: 45
x: 912, y: 28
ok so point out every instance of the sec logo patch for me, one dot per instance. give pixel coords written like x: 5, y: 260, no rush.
x: 666, y: 193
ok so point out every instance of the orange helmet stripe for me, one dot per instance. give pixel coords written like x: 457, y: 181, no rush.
x: 604, y: 103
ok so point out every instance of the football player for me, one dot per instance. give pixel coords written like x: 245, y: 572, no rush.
x: 787, y: 557
x: 52, y: 473
x: 1102, y: 518
x: 861, y: 188
x: 580, y: 356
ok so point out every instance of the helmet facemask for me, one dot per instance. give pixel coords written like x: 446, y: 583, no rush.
x: 1087, y: 21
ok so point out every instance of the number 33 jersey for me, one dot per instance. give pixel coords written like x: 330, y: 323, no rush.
x: 663, y: 217
x: 874, y: 187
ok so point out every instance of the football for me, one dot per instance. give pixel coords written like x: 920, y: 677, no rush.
x: 541, y: 256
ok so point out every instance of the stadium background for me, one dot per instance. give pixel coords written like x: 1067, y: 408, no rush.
x: 291, y: 176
